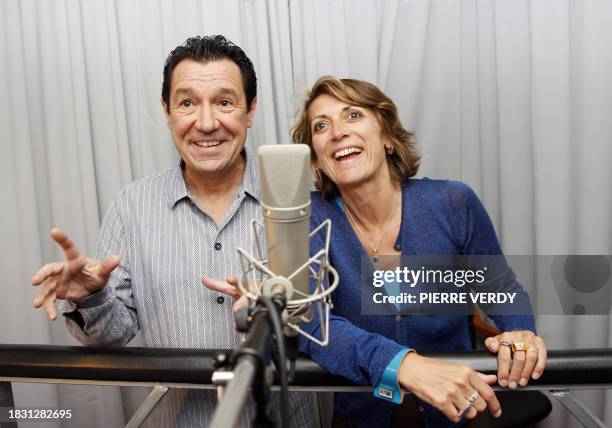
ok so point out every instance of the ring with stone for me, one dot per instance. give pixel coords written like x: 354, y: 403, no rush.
x: 520, y: 346
x: 473, y: 397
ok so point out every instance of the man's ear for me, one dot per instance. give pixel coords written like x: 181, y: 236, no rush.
x: 251, y: 112
x: 165, y: 107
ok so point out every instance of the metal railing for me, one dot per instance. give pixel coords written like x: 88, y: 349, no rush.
x: 163, y: 368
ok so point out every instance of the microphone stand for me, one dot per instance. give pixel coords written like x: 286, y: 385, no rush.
x: 251, y: 361
x: 250, y: 370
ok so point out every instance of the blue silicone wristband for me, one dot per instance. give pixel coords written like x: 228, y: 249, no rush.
x: 388, y: 387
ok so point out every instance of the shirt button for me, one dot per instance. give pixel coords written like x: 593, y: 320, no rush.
x: 218, y: 246
x: 220, y: 300
x: 397, y: 247
x: 398, y: 318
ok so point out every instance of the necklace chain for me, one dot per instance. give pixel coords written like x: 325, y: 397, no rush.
x: 353, y: 221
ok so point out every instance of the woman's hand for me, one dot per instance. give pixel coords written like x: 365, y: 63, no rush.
x: 456, y: 390
x: 520, y: 355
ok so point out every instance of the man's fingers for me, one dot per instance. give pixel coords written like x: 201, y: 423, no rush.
x: 70, y: 250
x: 50, y: 269
x: 221, y: 287
x: 108, y: 265
x: 233, y: 281
x: 242, y: 302
x: 251, y: 285
x: 43, y: 291
x: 50, y: 306
x: 76, y: 266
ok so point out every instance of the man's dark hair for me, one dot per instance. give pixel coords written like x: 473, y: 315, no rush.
x: 211, y: 48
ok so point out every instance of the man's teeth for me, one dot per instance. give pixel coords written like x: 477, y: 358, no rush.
x: 207, y: 143
x: 346, y: 152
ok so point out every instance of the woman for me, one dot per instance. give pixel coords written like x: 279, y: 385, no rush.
x: 363, y: 161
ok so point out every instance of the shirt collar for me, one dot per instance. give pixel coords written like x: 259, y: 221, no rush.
x: 249, y: 186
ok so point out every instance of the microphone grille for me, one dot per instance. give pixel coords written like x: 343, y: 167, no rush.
x: 285, y: 174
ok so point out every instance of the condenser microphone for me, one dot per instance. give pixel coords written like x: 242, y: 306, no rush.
x: 306, y: 281
x: 288, y: 270
x: 285, y: 198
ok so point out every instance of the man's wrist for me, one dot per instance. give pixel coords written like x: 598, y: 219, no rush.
x: 92, y: 299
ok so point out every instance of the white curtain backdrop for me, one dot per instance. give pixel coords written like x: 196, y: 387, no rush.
x: 513, y: 97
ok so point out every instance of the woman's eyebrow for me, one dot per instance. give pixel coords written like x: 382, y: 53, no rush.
x: 323, y: 115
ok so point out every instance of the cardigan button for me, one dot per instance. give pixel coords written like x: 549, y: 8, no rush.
x: 398, y: 318
x: 220, y: 300
x: 397, y: 247
x: 218, y: 246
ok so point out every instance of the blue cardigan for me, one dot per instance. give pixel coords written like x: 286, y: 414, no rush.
x: 439, y: 217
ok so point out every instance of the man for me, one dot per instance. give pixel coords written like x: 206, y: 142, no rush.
x: 162, y: 234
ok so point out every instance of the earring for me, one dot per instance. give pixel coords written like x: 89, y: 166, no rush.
x: 390, y: 150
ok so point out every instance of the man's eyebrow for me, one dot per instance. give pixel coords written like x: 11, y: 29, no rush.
x: 227, y: 91
x: 220, y: 91
x: 182, y: 91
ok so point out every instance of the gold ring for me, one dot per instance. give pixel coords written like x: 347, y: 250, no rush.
x: 532, y: 348
x: 520, y: 346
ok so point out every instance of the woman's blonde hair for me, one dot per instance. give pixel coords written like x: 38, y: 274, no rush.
x: 403, y: 160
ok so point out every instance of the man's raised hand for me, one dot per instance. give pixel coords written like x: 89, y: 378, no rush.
x: 73, y: 279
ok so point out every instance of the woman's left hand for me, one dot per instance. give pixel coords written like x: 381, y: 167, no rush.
x: 521, y: 355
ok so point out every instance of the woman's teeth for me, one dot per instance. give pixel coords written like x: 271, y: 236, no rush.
x: 346, y: 152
